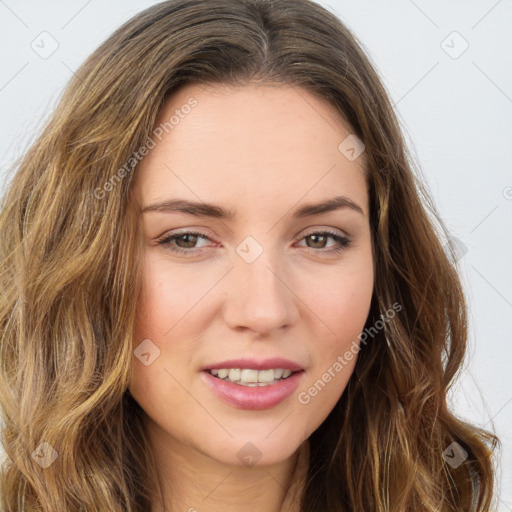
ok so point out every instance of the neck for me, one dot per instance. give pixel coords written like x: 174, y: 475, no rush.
x: 192, y: 481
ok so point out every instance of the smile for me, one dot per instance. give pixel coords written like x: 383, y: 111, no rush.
x: 246, y: 392
x: 251, y: 378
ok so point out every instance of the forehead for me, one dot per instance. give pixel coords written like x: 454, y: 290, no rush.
x: 253, y: 146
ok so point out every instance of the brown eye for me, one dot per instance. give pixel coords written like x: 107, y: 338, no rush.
x: 319, y: 240
x: 183, y: 243
x: 189, y: 240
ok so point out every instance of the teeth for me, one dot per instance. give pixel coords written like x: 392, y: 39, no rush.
x: 234, y: 374
x: 265, y: 375
x: 251, y: 378
x: 248, y: 376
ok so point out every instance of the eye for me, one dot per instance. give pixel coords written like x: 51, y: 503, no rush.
x: 321, y: 237
x: 185, y: 242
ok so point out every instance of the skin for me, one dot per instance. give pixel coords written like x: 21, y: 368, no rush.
x: 263, y: 151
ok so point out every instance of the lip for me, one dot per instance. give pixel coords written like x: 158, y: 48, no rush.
x: 253, y: 364
x: 253, y: 398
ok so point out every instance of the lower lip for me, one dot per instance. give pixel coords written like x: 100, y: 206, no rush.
x: 256, y: 397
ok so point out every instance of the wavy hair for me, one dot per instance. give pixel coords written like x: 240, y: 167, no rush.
x: 70, y: 253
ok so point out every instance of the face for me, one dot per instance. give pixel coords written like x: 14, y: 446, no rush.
x: 257, y: 287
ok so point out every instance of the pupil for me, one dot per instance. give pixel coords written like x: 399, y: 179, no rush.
x: 316, y: 238
x: 190, y: 243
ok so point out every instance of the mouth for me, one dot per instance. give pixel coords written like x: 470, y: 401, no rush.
x: 252, y: 378
x: 250, y: 389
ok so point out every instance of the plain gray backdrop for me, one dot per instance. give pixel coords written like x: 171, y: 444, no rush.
x: 447, y: 68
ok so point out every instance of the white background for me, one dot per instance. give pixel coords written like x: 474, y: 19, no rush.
x: 456, y: 111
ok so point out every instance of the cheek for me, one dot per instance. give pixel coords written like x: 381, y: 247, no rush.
x: 345, y: 306
x: 167, y: 316
x: 168, y: 293
x: 342, y: 304
x: 342, y: 300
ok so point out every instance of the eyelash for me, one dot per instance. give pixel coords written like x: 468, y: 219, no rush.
x: 343, y: 242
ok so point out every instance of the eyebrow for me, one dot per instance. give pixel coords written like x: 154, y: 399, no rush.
x: 200, y: 209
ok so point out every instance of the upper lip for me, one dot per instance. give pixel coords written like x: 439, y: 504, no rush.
x: 264, y: 364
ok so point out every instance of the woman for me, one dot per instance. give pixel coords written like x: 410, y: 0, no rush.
x: 222, y: 287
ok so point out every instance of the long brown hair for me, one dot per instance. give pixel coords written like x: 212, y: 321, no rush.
x: 70, y: 273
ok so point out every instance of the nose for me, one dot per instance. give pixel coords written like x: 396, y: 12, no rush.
x: 260, y: 297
